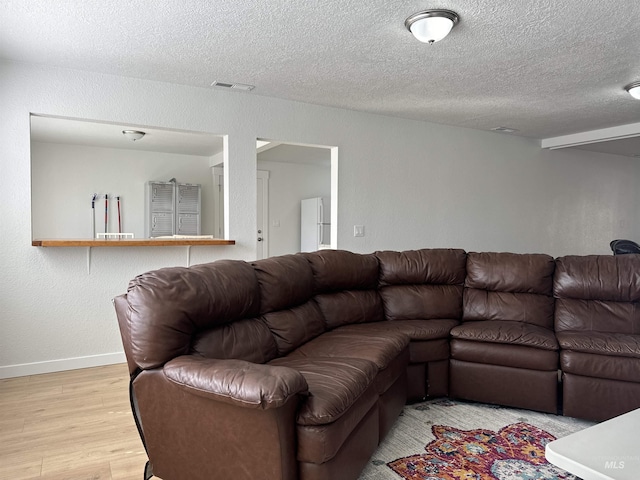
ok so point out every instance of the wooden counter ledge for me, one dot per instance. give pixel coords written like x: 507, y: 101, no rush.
x: 130, y: 242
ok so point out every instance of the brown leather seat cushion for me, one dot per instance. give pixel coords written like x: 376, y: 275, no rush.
x: 601, y: 343
x: 334, y: 385
x: 429, y: 338
x: 414, y: 329
x: 378, y: 347
x: 514, y: 333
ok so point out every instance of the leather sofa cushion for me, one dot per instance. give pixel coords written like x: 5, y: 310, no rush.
x: 411, y: 302
x: 167, y: 307
x: 615, y: 344
x: 345, y: 287
x: 335, y: 384
x: 519, y: 307
x: 510, y: 272
x: 248, y: 339
x: 350, y: 306
x: 236, y: 381
x: 377, y: 347
x: 414, y: 329
x: 396, y: 369
x: 335, y: 270
x: 320, y: 443
x: 597, y: 315
x: 613, y: 278
x: 610, y: 367
x: 429, y: 338
x: 294, y: 326
x: 425, y: 266
x: 422, y: 284
x: 517, y: 356
x: 514, y: 333
x: 285, y: 282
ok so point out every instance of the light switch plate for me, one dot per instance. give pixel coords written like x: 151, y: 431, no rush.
x: 358, y: 230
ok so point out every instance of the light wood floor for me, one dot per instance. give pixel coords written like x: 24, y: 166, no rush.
x: 74, y: 425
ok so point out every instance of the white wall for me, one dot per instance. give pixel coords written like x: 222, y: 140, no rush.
x: 64, y: 177
x: 289, y: 183
x: 412, y: 184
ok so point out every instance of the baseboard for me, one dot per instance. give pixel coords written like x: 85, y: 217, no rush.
x: 36, y: 368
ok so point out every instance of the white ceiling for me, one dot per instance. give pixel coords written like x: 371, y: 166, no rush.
x: 629, y: 147
x: 109, y: 135
x: 288, y: 153
x: 544, y: 67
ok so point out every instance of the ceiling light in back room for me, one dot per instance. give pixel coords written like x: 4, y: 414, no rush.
x: 633, y: 89
x: 133, y: 135
x: 430, y: 26
x: 504, y: 129
x: 233, y: 86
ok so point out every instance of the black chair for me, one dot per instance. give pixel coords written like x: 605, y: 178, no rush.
x: 621, y: 247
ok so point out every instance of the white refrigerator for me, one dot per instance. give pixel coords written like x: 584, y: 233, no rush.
x: 315, y: 224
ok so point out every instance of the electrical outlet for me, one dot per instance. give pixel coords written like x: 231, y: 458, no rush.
x: 358, y: 230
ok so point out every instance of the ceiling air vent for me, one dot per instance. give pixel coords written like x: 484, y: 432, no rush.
x: 504, y: 130
x: 233, y: 86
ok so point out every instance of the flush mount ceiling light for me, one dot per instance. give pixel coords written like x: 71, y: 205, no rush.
x: 133, y: 135
x: 633, y: 89
x: 504, y: 129
x: 430, y: 26
x: 234, y: 86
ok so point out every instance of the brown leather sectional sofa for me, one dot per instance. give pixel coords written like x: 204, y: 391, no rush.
x: 295, y: 367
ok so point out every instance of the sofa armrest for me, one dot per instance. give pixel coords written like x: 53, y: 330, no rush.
x: 236, y: 381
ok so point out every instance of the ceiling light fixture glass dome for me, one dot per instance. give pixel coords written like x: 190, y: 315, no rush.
x: 430, y: 26
x: 633, y: 89
x: 133, y: 134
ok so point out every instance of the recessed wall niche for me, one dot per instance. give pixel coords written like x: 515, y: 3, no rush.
x: 73, y: 159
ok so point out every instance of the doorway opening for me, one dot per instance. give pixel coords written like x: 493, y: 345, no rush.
x: 298, y: 173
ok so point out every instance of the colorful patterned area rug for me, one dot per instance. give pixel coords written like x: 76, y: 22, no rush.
x: 455, y: 440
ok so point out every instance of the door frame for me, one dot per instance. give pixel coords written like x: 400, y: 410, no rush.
x: 263, y: 202
x: 218, y: 210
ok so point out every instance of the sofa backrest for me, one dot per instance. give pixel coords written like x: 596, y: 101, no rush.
x: 509, y: 287
x: 422, y: 284
x: 176, y: 311
x: 345, y: 287
x: 598, y: 293
x: 262, y: 310
x: 286, y: 301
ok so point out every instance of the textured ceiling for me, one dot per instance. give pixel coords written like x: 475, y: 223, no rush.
x: 544, y: 67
